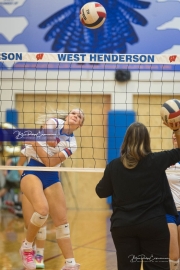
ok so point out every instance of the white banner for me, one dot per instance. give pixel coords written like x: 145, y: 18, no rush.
x: 90, y: 58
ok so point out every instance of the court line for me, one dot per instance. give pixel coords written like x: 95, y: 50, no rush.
x: 58, y: 255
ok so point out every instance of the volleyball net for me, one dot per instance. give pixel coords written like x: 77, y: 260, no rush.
x: 113, y: 90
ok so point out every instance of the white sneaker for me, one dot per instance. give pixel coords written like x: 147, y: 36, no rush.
x: 27, y: 257
x: 73, y: 267
x: 39, y: 259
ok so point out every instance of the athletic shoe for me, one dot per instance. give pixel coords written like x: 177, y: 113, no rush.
x: 39, y: 260
x: 74, y: 267
x: 34, y: 250
x: 27, y: 259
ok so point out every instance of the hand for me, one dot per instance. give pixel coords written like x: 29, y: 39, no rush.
x: 173, y: 125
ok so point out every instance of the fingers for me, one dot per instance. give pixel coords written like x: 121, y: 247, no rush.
x: 164, y: 123
x: 172, y: 125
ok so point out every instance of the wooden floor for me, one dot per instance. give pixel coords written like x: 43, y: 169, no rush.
x: 91, y: 238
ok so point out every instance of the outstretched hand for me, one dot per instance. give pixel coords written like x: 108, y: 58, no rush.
x: 173, y: 125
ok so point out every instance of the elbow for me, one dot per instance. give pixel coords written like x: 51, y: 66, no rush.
x: 46, y: 162
x: 97, y: 192
x: 101, y: 196
x: 100, y: 193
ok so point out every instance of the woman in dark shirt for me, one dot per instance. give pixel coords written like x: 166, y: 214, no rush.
x: 140, y: 199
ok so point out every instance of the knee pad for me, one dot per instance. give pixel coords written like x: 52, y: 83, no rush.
x: 41, y: 235
x: 38, y: 220
x: 63, y: 231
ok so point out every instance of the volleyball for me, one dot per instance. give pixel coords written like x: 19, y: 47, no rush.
x: 170, y: 111
x: 92, y: 15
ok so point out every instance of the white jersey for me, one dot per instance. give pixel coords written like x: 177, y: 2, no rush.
x: 174, y: 182
x: 66, y: 144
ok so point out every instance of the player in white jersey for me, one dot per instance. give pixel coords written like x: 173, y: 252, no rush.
x: 43, y: 190
x: 174, y: 222
x: 64, y: 143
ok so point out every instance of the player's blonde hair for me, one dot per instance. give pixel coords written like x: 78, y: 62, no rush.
x: 59, y: 114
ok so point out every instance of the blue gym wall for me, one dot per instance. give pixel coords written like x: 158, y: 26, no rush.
x: 12, y: 117
x: 118, y: 121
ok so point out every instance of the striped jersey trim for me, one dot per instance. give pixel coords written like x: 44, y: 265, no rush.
x: 68, y: 151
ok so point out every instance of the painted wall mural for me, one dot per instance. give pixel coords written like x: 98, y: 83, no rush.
x: 132, y: 26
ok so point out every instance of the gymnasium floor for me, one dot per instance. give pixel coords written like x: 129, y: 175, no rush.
x: 92, y: 243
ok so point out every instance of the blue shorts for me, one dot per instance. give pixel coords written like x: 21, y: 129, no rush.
x: 47, y: 178
x: 173, y: 219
